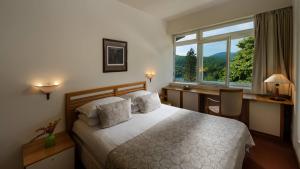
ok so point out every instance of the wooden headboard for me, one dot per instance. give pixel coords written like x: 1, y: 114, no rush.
x: 78, y: 98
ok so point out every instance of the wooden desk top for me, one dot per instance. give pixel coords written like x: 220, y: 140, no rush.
x: 35, y: 151
x: 253, y: 97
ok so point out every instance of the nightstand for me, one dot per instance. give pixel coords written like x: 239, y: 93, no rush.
x: 60, y: 156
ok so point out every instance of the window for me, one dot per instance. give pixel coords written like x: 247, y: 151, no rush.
x: 241, y: 61
x: 214, y: 61
x: 229, y: 29
x: 185, y: 37
x: 186, y: 63
x: 218, y: 55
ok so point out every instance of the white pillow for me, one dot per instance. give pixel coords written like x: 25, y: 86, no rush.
x: 134, y: 95
x: 148, y: 103
x: 134, y: 108
x: 89, y: 121
x: 90, y: 109
x: 114, y: 113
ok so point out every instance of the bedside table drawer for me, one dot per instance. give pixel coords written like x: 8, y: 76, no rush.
x: 62, y: 160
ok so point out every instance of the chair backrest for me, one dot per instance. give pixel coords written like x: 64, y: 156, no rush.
x: 231, y: 102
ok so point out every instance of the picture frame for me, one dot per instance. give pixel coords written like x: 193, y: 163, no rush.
x: 114, y: 55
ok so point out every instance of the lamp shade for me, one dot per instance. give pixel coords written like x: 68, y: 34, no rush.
x: 47, y: 88
x: 277, y: 78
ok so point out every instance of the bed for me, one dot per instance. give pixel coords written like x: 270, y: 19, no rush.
x: 168, y: 137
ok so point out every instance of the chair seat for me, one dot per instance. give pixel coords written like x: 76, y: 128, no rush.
x: 214, y: 109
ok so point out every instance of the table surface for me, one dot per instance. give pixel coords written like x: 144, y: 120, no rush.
x: 35, y: 151
x: 253, y: 97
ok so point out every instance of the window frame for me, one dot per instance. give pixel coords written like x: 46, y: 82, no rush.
x: 200, y: 40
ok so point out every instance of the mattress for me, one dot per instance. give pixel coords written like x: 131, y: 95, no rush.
x: 100, y: 142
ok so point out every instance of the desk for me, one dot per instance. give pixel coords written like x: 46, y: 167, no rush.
x: 203, y: 94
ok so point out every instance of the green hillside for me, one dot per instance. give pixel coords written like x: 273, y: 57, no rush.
x: 213, y: 66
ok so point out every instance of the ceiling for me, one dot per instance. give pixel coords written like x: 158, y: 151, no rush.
x: 171, y: 9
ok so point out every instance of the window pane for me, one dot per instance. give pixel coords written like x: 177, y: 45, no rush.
x: 241, y: 61
x: 185, y: 37
x: 214, y: 61
x: 229, y: 29
x: 186, y: 63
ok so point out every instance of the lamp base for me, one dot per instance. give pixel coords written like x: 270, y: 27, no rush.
x: 277, y: 98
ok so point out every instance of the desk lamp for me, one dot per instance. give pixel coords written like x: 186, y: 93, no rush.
x: 277, y: 79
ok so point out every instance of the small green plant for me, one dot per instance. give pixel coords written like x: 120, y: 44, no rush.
x: 46, y: 130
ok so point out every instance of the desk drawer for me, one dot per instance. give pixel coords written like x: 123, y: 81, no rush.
x: 190, y: 101
x: 174, y: 97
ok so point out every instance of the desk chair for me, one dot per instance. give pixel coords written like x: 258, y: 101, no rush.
x: 230, y: 104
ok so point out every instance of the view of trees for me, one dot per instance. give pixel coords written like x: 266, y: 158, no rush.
x: 179, y: 66
x: 190, y: 66
x: 242, y: 64
x: 185, y: 66
x: 214, y: 66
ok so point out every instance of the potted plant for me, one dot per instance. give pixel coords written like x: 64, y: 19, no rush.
x: 49, y: 131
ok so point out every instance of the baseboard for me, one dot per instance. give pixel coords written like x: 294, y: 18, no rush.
x: 265, y: 135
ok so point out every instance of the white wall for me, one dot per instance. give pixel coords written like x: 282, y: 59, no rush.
x: 296, y: 117
x: 230, y: 10
x: 45, y: 40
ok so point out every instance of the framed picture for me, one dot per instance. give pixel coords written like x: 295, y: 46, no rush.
x: 114, y: 56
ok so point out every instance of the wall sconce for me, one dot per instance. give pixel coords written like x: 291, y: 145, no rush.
x: 149, y: 75
x: 47, y: 89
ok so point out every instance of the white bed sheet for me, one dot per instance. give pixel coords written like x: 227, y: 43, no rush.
x: 101, y: 141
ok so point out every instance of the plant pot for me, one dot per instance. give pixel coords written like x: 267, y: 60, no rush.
x: 50, y: 141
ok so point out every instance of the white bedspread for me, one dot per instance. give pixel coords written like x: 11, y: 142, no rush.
x: 101, y: 141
